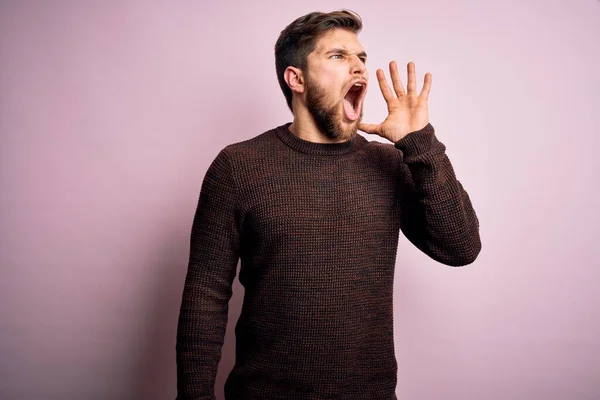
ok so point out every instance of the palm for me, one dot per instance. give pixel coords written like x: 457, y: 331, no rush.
x: 407, y: 111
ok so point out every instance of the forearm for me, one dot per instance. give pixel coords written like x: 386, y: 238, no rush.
x: 201, y: 331
x: 437, y: 214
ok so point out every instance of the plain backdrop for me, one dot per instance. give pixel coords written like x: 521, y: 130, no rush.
x: 111, y: 112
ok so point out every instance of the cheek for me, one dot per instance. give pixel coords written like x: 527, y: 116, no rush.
x: 332, y: 79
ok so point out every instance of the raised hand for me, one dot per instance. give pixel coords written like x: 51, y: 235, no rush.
x: 407, y: 111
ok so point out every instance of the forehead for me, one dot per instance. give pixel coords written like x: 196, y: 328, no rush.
x: 338, y: 38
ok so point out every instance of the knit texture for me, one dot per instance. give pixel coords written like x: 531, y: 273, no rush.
x: 316, y: 228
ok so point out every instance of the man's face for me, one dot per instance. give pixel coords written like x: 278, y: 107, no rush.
x: 336, y: 83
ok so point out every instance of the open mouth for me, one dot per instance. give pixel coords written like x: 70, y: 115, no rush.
x: 353, y: 100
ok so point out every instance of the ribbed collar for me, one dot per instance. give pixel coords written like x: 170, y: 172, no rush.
x: 304, y: 146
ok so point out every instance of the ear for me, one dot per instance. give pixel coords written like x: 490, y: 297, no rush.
x: 294, y: 77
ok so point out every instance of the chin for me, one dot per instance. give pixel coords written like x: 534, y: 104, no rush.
x: 347, y: 128
x: 350, y: 131
x: 342, y: 129
x: 331, y: 120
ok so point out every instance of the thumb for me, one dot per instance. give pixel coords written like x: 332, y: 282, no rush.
x: 370, y: 128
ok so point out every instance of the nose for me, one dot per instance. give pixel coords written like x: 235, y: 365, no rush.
x: 358, y: 66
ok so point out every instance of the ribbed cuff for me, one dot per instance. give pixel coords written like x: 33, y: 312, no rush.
x: 417, y: 142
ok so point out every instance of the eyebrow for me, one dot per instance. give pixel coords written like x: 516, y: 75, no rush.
x: 345, y: 52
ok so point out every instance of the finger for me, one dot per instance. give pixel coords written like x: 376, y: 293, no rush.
x: 396, y: 82
x: 370, y: 128
x: 426, y: 87
x: 383, y: 85
x: 411, y: 86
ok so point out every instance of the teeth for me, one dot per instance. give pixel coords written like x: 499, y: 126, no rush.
x: 358, y: 84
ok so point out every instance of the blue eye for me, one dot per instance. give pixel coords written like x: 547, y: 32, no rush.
x: 336, y: 55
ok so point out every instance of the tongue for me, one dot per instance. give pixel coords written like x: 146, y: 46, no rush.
x: 349, y: 110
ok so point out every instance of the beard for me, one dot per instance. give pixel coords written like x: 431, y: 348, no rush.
x: 326, y: 113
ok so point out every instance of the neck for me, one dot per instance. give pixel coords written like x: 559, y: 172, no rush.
x: 305, y: 127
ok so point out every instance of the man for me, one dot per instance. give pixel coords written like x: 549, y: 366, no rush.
x: 314, y: 212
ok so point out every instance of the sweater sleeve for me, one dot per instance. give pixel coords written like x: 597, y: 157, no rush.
x: 437, y: 215
x: 214, y: 252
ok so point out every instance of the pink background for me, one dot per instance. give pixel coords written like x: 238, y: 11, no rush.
x: 110, y: 113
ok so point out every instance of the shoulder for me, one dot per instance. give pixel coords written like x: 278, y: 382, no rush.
x: 261, y: 142
x: 256, y: 146
x: 251, y: 154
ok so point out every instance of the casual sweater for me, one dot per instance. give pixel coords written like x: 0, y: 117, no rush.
x: 316, y: 227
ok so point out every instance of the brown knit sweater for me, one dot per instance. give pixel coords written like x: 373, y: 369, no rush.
x: 316, y: 228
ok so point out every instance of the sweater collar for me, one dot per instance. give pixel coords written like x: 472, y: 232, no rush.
x: 304, y: 146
